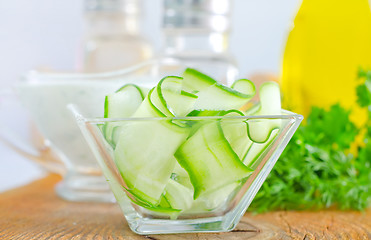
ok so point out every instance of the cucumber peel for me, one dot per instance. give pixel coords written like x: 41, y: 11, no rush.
x: 259, y: 130
x: 170, y: 99
x: 209, y: 160
x: 178, y: 196
x: 195, y: 81
x: 140, y: 141
x: 121, y: 104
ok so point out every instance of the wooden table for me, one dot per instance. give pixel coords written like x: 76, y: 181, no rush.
x: 35, y: 212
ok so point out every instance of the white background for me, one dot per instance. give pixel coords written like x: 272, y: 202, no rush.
x: 48, y: 32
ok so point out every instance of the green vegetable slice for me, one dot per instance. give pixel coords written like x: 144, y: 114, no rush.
x: 270, y: 99
x: 121, y: 104
x: 244, y: 86
x: 170, y: 99
x: 220, y: 97
x: 141, y: 141
x: 178, y: 196
x: 209, y: 160
x: 217, y: 198
x: 170, y: 166
x: 195, y: 81
x: 204, y: 113
x: 124, y: 102
x: 235, y: 131
x: 163, y: 208
x: 270, y: 104
x: 215, y: 96
x: 256, y: 149
x: 181, y: 176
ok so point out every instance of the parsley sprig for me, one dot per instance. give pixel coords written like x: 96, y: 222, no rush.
x: 317, y: 169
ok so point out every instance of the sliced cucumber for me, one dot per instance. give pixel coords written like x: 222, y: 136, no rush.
x: 173, y: 166
x: 195, y: 81
x: 178, y: 196
x: 170, y: 99
x: 147, y: 108
x: 139, y: 143
x: 209, y: 160
x: 270, y: 104
x: 181, y: 176
x: 270, y: 99
x: 215, y: 96
x: 181, y: 104
x: 124, y: 102
x: 163, y: 209
x: 207, y: 202
x: 121, y: 104
x: 217, y: 198
x: 256, y: 149
x: 253, y: 110
x: 204, y: 113
x: 244, y: 86
x: 220, y: 97
x: 144, y: 152
x: 235, y: 131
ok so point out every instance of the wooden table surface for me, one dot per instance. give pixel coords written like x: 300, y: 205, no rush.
x: 35, y: 212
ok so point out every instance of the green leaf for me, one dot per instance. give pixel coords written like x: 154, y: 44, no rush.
x: 364, y: 96
x: 316, y: 170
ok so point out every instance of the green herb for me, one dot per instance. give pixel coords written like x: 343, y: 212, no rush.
x: 317, y: 169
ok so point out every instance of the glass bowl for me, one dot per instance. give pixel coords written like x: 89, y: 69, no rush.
x: 212, y: 194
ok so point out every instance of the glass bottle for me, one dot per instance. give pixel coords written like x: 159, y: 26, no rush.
x: 329, y: 42
x: 113, y: 39
x: 196, y: 34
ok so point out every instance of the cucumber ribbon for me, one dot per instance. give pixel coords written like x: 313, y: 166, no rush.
x: 175, y: 165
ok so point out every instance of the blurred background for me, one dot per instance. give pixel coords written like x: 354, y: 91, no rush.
x: 47, y: 34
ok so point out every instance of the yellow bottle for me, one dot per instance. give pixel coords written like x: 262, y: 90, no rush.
x: 330, y: 40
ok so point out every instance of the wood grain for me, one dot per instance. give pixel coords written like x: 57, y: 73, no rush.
x: 35, y: 212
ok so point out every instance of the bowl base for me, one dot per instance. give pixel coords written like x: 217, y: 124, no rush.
x: 152, y: 226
